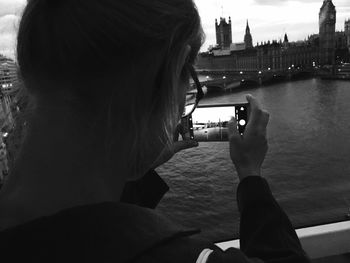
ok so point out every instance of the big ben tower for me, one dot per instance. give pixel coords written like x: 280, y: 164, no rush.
x: 327, y: 20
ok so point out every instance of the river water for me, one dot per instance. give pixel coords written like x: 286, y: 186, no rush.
x: 307, y: 165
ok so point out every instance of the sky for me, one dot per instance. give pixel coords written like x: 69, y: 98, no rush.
x: 268, y: 19
x: 10, y: 11
x: 204, y: 115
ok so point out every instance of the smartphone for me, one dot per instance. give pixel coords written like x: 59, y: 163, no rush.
x: 209, y: 123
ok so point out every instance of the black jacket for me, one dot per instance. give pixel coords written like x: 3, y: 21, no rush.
x: 120, y: 232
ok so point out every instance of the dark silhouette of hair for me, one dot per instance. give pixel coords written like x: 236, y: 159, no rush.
x: 118, y: 58
x: 78, y: 40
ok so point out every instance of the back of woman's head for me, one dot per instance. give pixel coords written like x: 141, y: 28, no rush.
x: 119, y: 58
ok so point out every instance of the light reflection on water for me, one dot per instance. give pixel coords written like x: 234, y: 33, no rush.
x: 307, y: 166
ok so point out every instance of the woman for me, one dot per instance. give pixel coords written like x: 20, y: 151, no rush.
x: 108, y: 80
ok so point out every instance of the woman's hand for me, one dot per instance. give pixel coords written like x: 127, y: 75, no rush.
x: 177, y: 146
x: 248, y: 151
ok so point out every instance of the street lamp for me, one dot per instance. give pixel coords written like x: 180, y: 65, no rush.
x: 241, y: 72
x: 260, y: 72
x: 224, y: 77
x: 269, y: 69
x: 289, y: 68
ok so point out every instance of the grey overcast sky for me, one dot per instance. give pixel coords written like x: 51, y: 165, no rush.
x: 268, y: 19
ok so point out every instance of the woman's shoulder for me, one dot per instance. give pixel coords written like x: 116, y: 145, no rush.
x: 103, y: 232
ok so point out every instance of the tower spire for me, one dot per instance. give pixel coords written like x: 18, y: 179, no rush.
x: 248, y: 40
x: 247, y: 29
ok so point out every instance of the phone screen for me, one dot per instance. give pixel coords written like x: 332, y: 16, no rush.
x: 210, y: 122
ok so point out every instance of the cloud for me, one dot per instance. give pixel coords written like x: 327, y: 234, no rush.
x: 11, y: 7
x: 8, y: 24
x: 284, y: 2
x: 270, y: 2
x: 10, y: 11
x: 7, y: 45
x: 8, y: 29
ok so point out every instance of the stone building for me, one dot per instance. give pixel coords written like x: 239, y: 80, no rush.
x: 326, y: 48
x: 341, y: 47
x: 223, y: 33
x: 269, y: 56
x: 278, y: 56
x: 340, y: 40
x: 327, y: 20
x: 248, y: 40
x: 9, y: 86
x: 347, y: 33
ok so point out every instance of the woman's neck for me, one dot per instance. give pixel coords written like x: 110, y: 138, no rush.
x: 61, y: 165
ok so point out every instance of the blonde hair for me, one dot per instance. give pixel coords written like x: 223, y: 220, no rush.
x: 130, y: 51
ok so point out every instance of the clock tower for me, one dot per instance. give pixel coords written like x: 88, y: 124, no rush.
x: 327, y: 20
x: 347, y: 33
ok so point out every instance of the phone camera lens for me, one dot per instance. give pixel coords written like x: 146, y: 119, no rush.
x: 242, y: 122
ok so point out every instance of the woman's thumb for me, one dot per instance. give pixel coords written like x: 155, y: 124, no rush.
x: 232, y: 128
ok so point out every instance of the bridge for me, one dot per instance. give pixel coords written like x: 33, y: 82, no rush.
x: 230, y: 80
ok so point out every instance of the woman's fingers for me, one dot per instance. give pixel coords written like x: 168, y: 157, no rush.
x: 258, y: 118
x: 248, y: 151
x: 255, y: 111
x: 265, y: 119
x: 233, y: 133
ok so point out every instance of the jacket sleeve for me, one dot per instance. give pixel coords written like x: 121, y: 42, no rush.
x: 145, y: 192
x: 265, y: 230
x: 266, y: 234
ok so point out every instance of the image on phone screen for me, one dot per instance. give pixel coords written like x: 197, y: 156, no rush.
x: 210, y: 123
